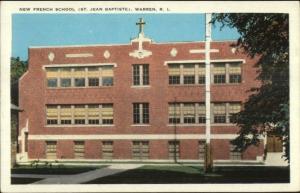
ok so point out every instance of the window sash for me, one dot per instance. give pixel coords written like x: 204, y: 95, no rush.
x: 174, y: 70
x: 219, y: 69
x: 189, y: 69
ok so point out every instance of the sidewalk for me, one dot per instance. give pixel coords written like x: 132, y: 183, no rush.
x: 83, y: 177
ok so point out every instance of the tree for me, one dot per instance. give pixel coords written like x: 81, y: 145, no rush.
x: 17, y: 69
x: 267, y: 109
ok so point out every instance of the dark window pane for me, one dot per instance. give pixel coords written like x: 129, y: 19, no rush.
x: 94, y: 121
x: 136, y: 74
x: 145, y: 74
x: 234, y: 78
x: 52, y: 82
x: 79, y: 82
x: 93, y: 81
x: 174, y: 120
x: 65, y: 82
x: 52, y: 121
x: 65, y: 122
x: 79, y: 121
x: 107, y: 81
x: 219, y: 119
x: 202, y: 119
x: 136, y: 113
x: 189, y: 79
x: 145, y: 113
x: 201, y: 80
x: 174, y: 79
x: 189, y: 119
x: 107, y: 121
x: 219, y: 78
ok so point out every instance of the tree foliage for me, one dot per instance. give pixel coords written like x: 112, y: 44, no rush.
x: 17, y: 69
x: 267, y: 109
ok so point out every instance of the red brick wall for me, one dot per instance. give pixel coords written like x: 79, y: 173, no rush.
x: 36, y: 149
x: 34, y: 94
x: 93, y: 149
x: 122, y: 149
x: 189, y: 149
x: 158, y: 149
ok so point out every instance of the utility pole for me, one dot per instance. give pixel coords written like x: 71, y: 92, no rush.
x: 208, y: 162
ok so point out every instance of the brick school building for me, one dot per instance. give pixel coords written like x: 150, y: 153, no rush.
x: 141, y: 101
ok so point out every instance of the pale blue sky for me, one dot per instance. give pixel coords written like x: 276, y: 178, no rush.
x: 76, y: 29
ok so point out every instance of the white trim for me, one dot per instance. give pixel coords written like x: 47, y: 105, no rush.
x: 130, y: 137
x: 81, y: 55
x: 76, y: 126
x: 140, y: 125
x: 202, y: 51
x: 133, y: 161
x: 79, y: 65
x: 140, y: 86
x: 203, y: 61
x: 124, y: 44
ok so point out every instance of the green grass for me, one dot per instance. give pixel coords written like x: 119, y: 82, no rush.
x: 194, y: 174
x: 24, y: 180
x: 59, y: 170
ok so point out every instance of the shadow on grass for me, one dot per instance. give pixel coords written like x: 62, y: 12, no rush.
x: 193, y: 174
x: 24, y: 180
x: 53, y: 170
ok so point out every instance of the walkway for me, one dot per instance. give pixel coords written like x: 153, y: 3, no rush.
x: 82, y: 177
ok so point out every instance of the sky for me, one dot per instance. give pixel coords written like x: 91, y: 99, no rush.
x: 83, y: 29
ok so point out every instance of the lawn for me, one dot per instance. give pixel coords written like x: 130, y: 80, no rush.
x: 59, y: 170
x: 194, y: 174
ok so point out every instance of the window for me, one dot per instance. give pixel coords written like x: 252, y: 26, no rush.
x: 174, y: 150
x: 107, y: 76
x: 201, y: 113
x: 140, y: 74
x: 79, y: 114
x: 201, y: 74
x: 50, y: 149
x: 65, y: 77
x: 107, y: 114
x: 235, y: 154
x: 52, y: 115
x: 107, y: 150
x: 65, y: 82
x: 93, y: 114
x: 79, y: 82
x: 219, y: 72
x: 93, y: 81
x: 233, y: 109
x: 52, y: 82
x: 79, y: 149
x: 80, y: 76
x: 174, y: 113
x: 189, y: 113
x: 174, y: 74
x: 186, y: 113
x: 189, y: 74
x: 201, y: 148
x: 235, y: 73
x: 93, y: 75
x: 219, y: 113
x: 52, y: 75
x: 65, y: 114
x: 140, y: 113
x: 140, y: 150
